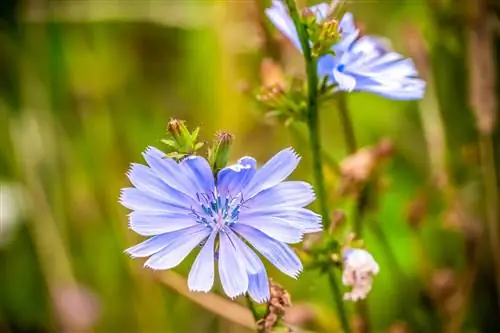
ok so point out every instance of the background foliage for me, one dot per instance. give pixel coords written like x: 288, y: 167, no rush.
x: 87, y: 85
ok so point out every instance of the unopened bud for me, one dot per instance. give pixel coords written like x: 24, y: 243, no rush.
x: 219, y: 154
x: 179, y: 133
x: 174, y: 127
x: 307, y: 13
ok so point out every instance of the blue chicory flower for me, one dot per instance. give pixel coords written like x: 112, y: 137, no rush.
x: 358, y: 63
x: 182, y: 205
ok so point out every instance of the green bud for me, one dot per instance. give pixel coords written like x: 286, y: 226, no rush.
x: 219, y: 153
x: 180, y: 141
x: 179, y: 132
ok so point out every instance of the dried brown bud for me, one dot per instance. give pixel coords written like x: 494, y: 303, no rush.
x: 356, y: 169
x: 399, y: 327
x: 174, y: 127
x: 271, y: 74
x: 277, y: 306
x: 443, y: 284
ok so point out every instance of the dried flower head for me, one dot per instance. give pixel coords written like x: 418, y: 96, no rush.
x: 359, y: 269
x: 277, y: 306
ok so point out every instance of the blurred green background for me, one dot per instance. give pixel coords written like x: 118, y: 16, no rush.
x: 87, y: 85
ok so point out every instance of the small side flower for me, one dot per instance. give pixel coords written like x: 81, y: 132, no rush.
x: 359, y: 269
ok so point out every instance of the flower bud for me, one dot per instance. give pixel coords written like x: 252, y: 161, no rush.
x: 219, y: 154
x: 180, y: 140
x: 178, y: 131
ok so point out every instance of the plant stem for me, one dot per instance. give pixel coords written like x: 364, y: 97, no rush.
x: 339, y: 302
x: 252, y: 309
x: 315, y: 142
x: 312, y: 111
x: 491, y: 202
x: 347, y: 127
x: 363, y: 198
x: 326, y: 154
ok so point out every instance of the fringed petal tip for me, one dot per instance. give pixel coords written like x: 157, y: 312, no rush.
x: 154, y: 152
x: 261, y: 300
x: 297, y: 274
x: 121, y: 197
x: 294, y: 152
x: 199, y: 290
x: 130, y: 253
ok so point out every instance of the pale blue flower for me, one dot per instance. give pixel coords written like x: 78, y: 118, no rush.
x: 182, y: 205
x: 359, y: 63
x: 359, y: 269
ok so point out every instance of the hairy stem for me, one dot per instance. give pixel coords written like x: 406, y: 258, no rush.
x: 315, y: 142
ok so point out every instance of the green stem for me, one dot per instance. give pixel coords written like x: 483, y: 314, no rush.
x: 252, y: 309
x: 347, y: 127
x: 491, y: 202
x: 362, y: 200
x: 312, y: 111
x: 339, y: 302
x: 315, y: 142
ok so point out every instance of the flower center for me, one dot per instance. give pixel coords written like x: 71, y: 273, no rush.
x: 218, y: 210
x: 341, y: 68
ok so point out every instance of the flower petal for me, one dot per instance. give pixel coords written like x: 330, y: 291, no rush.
x: 274, y: 227
x: 135, y: 199
x: 348, y: 33
x: 345, y: 82
x: 144, y: 179
x: 169, y: 171
x: 326, y: 64
x: 200, y: 173
x: 346, y: 24
x: 156, y: 223
x: 258, y: 286
x: 321, y: 11
x: 301, y: 218
x: 201, y: 276
x: 279, y: 167
x: 285, y: 194
x: 232, y: 179
x: 178, y: 245
x: 279, y: 254
x: 232, y: 271
x: 407, y: 89
x: 252, y: 261
x: 278, y: 14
